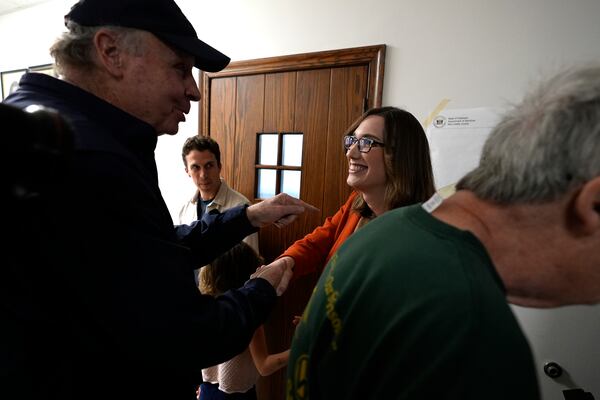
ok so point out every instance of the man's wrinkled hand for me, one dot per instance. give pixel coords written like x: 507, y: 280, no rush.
x: 279, y: 210
x: 278, y: 273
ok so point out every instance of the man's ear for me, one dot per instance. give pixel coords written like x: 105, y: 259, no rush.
x: 587, y: 206
x: 109, y: 52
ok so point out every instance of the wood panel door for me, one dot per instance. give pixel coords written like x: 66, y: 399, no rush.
x: 317, y: 94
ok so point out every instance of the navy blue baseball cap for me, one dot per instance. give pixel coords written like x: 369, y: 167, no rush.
x: 163, y: 18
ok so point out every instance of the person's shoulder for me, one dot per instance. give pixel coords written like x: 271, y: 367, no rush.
x: 396, y: 233
x: 396, y: 216
x: 233, y: 196
x: 187, y: 211
x: 193, y: 199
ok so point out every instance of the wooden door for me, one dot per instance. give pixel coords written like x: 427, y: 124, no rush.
x: 318, y: 95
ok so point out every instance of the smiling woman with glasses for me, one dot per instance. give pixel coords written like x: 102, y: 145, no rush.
x: 388, y: 167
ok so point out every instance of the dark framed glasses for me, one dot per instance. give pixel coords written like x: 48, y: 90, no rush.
x: 364, y: 144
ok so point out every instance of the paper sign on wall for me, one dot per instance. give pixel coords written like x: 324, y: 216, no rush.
x: 456, y: 137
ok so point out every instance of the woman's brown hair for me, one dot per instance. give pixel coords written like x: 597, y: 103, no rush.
x: 406, y: 159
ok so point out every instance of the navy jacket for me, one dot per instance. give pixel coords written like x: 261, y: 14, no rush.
x: 104, y: 303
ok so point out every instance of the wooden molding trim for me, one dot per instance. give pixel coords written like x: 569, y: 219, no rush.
x: 374, y: 56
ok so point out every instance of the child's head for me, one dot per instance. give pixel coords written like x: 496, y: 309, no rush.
x: 230, y: 270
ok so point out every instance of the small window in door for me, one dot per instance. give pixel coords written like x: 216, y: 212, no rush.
x: 278, y: 164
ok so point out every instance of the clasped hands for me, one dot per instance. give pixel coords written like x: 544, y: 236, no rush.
x: 278, y: 273
x: 279, y: 210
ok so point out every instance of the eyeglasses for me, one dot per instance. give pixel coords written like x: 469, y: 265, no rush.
x: 364, y: 144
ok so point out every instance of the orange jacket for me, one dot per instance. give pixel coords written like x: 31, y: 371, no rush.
x: 312, y: 252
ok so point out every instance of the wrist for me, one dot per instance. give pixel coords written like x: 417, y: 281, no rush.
x: 251, y: 216
x: 289, y: 262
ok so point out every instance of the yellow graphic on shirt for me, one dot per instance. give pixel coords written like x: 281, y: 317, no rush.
x: 332, y: 296
x: 297, y: 385
x: 299, y: 388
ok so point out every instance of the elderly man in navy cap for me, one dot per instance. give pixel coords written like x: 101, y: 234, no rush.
x: 111, y: 309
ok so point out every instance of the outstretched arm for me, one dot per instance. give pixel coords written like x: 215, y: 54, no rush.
x: 266, y: 363
x: 279, y: 210
x: 216, y: 233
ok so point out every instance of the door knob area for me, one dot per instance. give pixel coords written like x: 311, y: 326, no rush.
x: 552, y: 369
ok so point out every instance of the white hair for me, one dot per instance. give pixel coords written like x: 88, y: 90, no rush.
x: 544, y: 146
x: 75, y: 47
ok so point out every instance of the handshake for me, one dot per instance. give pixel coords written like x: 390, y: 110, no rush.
x: 280, y: 211
x: 278, y: 273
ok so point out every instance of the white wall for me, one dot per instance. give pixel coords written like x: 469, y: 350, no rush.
x: 473, y: 52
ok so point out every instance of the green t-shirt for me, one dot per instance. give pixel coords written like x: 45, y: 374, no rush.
x: 410, y: 308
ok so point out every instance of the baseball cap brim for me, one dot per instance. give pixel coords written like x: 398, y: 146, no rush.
x: 206, y: 57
